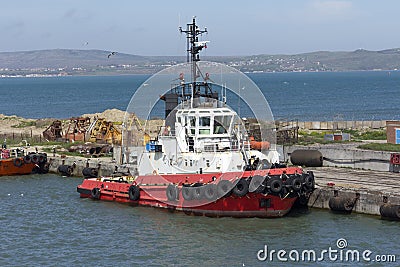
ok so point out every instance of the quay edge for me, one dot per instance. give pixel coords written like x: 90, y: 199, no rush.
x: 104, y: 166
x: 367, y: 190
x: 366, y: 201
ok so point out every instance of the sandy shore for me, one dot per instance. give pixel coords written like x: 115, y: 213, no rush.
x: 18, y: 125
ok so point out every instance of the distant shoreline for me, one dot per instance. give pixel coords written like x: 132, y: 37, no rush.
x: 87, y: 62
x: 33, y: 75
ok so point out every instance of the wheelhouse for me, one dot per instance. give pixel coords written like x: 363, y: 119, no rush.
x: 207, y: 122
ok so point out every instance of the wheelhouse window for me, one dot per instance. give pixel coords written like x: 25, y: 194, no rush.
x: 204, y: 122
x: 204, y: 125
x: 192, y: 121
x: 192, y: 124
x: 221, y: 124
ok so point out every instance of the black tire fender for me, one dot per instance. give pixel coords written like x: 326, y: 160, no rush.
x: 134, y: 192
x: 45, y: 168
x: 187, y: 193
x: 211, y: 192
x: 296, y: 184
x: 95, y: 193
x: 172, y: 192
x: 27, y: 159
x: 224, y: 188
x: 18, y: 162
x: 35, y: 158
x: 257, y: 184
x: 198, y: 192
x: 275, y: 185
x: 241, y: 188
x: 41, y: 158
x: 309, y: 181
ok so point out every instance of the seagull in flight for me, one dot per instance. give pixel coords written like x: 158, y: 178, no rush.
x: 111, y: 54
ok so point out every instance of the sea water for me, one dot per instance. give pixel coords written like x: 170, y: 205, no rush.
x: 44, y: 222
x: 322, y: 96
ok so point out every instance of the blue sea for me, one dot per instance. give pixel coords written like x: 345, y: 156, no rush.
x: 321, y: 96
x: 45, y: 223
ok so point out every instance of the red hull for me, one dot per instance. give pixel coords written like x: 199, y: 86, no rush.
x: 153, y: 193
x: 15, y: 166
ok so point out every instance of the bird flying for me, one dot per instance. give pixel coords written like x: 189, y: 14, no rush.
x: 111, y: 54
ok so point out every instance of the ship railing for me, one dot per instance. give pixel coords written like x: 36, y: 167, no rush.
x: 214, y: 147
x: 210, y: 148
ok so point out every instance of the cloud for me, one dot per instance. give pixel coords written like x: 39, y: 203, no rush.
x: 331, y: 8
x: 46, y: 35
x: 16, y: 25
x: 15, y: 28
x: 70, y: 13
x: 74, y: 14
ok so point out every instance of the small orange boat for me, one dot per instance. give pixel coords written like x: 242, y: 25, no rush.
x: 14, y: 162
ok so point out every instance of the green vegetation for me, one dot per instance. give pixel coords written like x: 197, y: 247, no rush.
x: 381, y: 147
x: 24, y: 124
x: 312, y: 137
x: 367, y: 135
x: 317, y: 137
x: 308, y: 138
x: 62, y: 148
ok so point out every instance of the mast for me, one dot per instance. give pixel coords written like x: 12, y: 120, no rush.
x: 193, y: 48
x: 193, y: 45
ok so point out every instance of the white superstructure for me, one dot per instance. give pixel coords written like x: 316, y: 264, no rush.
x: 205, y: 139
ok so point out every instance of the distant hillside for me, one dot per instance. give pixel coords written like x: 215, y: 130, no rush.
x: 64, y: 58
x: 79, y: 62
x: 358, y: 60
x: 97, y: 62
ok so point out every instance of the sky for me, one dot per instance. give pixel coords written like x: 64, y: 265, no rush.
x: 150, y: 27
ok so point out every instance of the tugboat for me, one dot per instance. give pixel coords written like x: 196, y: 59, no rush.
x: 204, y: 161
x: 15, y: 162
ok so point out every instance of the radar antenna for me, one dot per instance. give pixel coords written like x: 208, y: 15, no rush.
x: 194, y: 46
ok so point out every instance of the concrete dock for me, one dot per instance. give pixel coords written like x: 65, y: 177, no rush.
x: 369, y: 189
x: 105, y: 165
x: 345, y: 155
